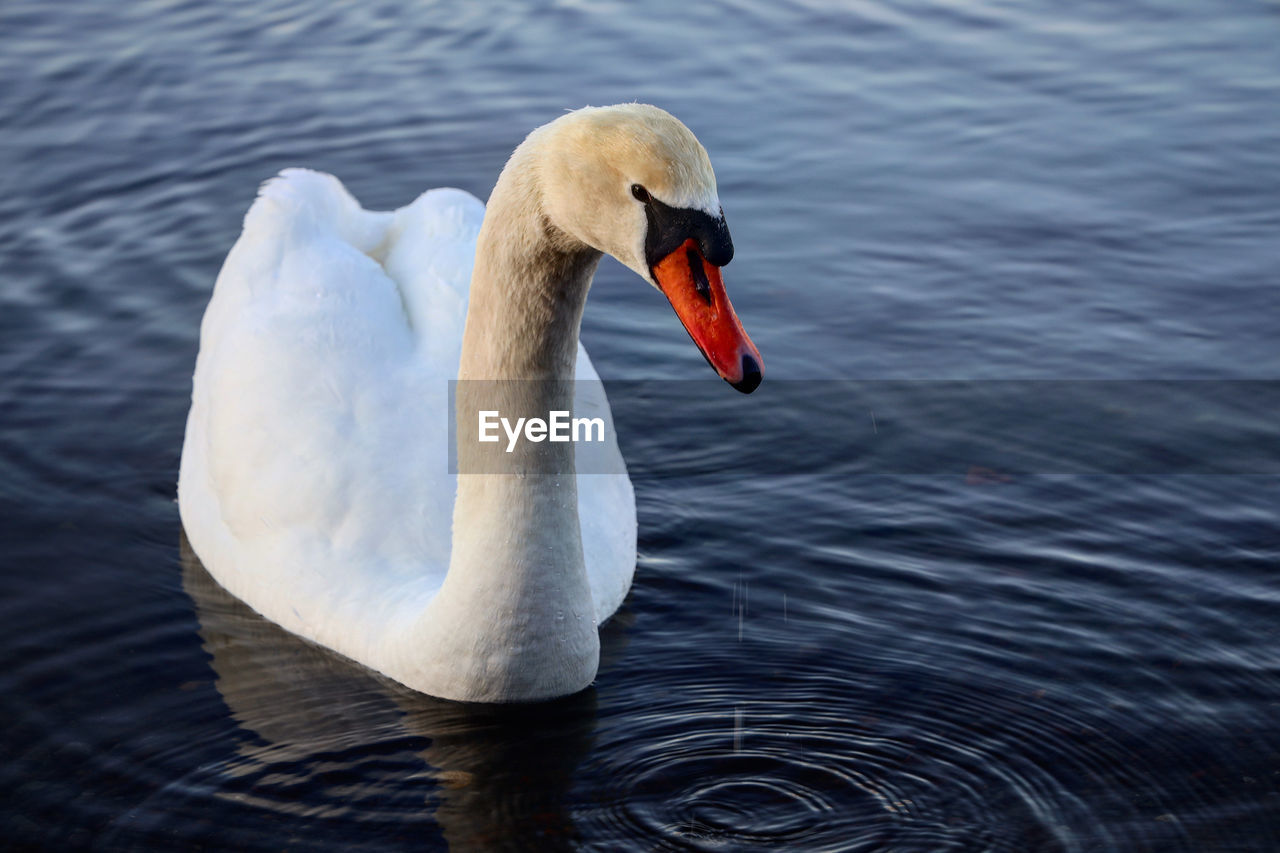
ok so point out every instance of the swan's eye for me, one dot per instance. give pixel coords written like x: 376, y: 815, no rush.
x: 640, y: 193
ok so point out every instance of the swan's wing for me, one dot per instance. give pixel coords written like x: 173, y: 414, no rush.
x: 314, y: 483
x: 606, y: 502
x: 430, y: 254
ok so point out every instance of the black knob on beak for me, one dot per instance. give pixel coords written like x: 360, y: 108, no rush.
x: 751, y: 375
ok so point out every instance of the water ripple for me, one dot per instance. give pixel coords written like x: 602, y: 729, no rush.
x: 877, y: 760
x: 846, y: 659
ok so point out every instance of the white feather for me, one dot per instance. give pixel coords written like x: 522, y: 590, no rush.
x: 314, y: 481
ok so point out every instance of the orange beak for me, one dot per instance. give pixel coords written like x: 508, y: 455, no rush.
x: 696, y: 290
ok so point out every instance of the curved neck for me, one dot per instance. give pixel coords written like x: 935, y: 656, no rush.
x: 528, y: 287
x: 515, y: 618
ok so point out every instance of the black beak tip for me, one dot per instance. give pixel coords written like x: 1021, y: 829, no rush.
x: 751, y: 376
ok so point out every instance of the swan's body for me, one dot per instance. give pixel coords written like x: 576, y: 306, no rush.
x: 315, y: 482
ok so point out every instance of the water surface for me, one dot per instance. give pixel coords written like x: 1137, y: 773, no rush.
x: 875, y: 654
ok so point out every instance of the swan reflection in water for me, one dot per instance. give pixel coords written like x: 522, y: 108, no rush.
x: 337, y: 741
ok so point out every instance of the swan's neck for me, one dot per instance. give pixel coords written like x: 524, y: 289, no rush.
x: 515, y: 617
x: 528, y: 287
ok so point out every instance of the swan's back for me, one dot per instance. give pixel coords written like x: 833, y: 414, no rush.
x: 314, y: 481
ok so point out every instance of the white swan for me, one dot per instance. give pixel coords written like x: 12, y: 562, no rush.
x: 314, y: 482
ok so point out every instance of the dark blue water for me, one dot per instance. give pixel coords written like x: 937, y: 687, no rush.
x: 875, y: 654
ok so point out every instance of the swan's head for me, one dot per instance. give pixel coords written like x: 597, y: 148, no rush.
x: 632, y: 181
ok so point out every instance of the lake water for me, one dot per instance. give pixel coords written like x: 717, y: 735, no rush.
x: 836, y: 640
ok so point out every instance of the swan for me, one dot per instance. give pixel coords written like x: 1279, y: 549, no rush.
x: 314, y: 484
